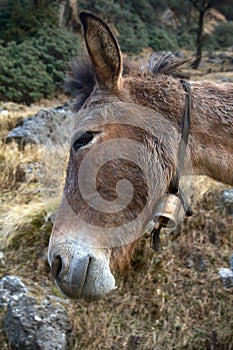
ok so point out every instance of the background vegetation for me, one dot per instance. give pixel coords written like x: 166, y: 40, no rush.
x: 37, y: 38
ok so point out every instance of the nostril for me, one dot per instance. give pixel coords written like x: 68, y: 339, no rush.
x: 56, y: 266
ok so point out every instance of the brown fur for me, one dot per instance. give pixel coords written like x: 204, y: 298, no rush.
x: 102, y: 79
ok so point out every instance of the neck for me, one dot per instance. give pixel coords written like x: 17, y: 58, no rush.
x: 211, y: 130
x: 211, y: 141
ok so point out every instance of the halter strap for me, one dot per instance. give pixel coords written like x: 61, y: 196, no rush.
x: 174, y: 185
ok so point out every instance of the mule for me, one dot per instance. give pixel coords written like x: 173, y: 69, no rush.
x: 123, y: 156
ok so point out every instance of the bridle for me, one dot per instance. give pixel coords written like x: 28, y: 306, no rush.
x: 169, y: 206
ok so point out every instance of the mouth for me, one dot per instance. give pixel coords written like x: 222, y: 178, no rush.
x: 87, y: 278
x: 71, y: 292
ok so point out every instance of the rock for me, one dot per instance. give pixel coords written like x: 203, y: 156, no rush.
x: 231, y: 263
x: 40, y: 127
x: 226, y: 80
x: 2, y: 259
x: 226, y: 277
x: 212, y: 18
x: 212, y: 56
x: 216, y: 60
x: 3, y: 112
x: 170, y: 19
x: 197, y: 261
x: 200, y: 263
x: 219, y: 199
x: 10, y: 286
x: 225, y: 56
x: 135, y: 341
x: 31, y: 324
x: 227, y: 199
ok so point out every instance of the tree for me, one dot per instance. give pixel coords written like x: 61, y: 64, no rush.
x: 68, y: 15
x: 201, y: 6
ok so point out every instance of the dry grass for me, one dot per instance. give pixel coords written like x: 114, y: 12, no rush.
x: 212, y: 71
x: 167, y: 300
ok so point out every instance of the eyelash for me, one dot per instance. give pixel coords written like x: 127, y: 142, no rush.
x: 84, y: 139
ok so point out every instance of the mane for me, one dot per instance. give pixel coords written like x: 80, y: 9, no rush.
x: 81, y: 80
x: 82, y: 77
x: 168, y: 64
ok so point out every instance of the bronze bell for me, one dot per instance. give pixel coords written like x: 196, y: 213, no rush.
x: 167, y: 211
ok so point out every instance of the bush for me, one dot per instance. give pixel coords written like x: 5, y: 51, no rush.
x: 162, y: 40
x: 133, y: 35
x: 223, y: 34
x: 56, y: 47
x: 186, y: 38
x: 23, y: 76
x: 221, y: 37
x: 145, y: 11
x: 21, y: 19
x: 36, y: 67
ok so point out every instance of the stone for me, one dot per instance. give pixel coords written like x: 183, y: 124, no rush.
x: 3, y: 112
x: 197, y: 261
x: 226, y: 80
x: 10, y: 286
x: 170, y: 19
x: 226, y: 276
x: 227, y: 198
x: 216, y: 60
x: 37, y: 129
x: 219, y: 199
x: 32, y: 324
x: 225, y: 56
x: 231, y: 262
x: 2, y: 259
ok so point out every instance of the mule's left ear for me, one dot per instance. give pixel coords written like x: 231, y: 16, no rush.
x: 104, y: 51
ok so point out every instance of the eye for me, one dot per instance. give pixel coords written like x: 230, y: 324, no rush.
x: 84, y: 139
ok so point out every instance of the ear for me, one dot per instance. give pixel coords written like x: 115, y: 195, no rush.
x: 104, y: 51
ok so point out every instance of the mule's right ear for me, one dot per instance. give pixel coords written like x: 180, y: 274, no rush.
x: 104, y: 51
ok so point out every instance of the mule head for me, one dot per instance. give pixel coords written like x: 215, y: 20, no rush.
x: 121, y: 161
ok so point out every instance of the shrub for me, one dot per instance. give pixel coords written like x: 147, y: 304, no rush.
x: 23, y: 76
x: 21, y: 19
x: 133, y: 35
x: 55, y: 48
x: 223, y: 34
x: 186, y: 38
x: 209, y: 43
x: 161, y: 39
x: 35, y: 68
x: 145, y: 10
x: 220, y: 38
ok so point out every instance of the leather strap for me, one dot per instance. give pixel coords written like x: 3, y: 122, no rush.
x: 174, y: 185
